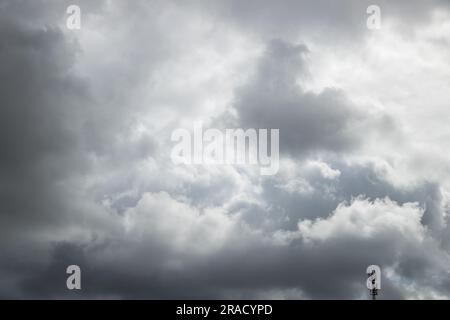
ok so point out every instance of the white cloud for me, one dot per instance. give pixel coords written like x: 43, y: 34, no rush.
x: 176, y: 225
x: 365, y: 219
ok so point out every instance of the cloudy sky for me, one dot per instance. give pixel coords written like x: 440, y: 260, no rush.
x: 86, y: 178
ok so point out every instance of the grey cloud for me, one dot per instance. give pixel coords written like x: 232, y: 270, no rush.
x: 37, y: 132
x: 332, y: 268
x: 308, y: 122
x: 334, y: 21
x: 74, y: 167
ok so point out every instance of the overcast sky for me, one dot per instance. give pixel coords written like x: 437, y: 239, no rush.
x: 86, y: 178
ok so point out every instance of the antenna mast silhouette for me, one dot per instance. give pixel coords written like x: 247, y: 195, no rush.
x: 374, y: 291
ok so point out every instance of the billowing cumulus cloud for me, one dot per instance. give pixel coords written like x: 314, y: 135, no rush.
x: 309, y: 122
x: 86, y: 178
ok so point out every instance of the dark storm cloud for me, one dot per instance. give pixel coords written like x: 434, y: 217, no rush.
x: 39, y: 148
x: 308, y: 122
x: 51, y: 125
x: 37, y: 100
x: 45, y: 110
